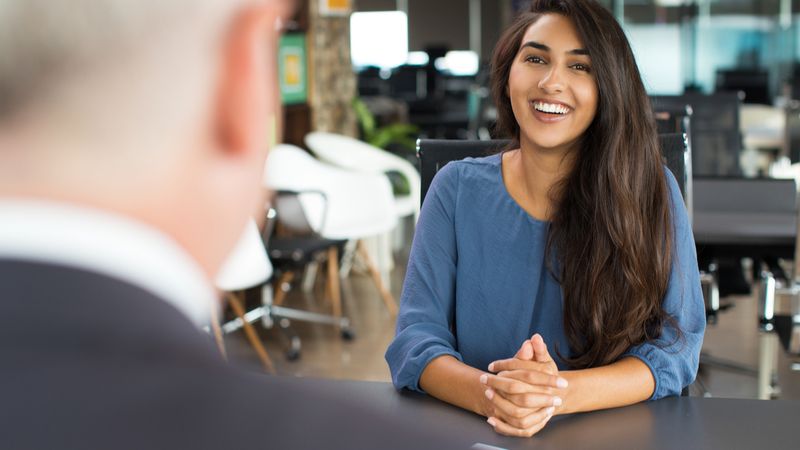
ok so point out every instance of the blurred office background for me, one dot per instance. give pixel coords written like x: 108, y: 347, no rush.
x: 362, y: 80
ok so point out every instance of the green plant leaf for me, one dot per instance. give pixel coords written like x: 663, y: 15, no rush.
x: 382, y: 137
x: 403, y: 129
x: 365, y: 117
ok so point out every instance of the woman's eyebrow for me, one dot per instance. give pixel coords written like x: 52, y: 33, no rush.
x: 544, y: 48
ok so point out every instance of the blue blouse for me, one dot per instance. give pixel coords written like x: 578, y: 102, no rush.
x: 477, y: 284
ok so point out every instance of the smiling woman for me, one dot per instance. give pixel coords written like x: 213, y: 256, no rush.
x: 550, y: 82
x: 575, y: 235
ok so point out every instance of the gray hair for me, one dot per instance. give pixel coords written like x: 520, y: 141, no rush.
x: 43, y: 40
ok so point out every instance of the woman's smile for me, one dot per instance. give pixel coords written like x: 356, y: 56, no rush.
x: 550, y: 111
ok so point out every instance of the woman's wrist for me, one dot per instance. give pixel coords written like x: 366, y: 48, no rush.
x: 483, y: 405
x: 567, y: 394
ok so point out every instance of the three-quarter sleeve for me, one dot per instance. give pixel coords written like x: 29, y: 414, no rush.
x: 424, y: 325
x: 673, y: 357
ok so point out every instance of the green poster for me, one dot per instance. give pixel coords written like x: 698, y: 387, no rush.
x: 292, y: 72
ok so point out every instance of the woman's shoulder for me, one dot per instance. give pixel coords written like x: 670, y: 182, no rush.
x: 467, y: 170
x: 674, y: 189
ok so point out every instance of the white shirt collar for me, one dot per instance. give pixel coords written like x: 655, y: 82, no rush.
x: 108, y: 244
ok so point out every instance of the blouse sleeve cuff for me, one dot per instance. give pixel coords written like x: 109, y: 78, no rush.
x: 408, y: 372
x: 653, y: 370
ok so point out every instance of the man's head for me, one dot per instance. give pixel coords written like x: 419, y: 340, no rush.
x: 158, y: 110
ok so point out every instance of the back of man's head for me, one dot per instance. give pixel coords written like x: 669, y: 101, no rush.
x: 157, y: 110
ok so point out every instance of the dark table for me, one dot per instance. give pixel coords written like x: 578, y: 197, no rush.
x: 738, y: 217
x: 672, y: 423
x: 732, y: 234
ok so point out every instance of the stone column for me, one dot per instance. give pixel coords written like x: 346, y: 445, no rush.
x: 332, y: 83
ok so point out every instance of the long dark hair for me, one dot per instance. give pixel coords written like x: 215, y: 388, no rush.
x: 611, y: 230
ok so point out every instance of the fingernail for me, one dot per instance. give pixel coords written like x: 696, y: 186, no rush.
x: 557, y: 401
x: 489, y: 394
x: 484, y: 379
x: 491, y: 421
x: 491, y: 367
x: 550, y: 410
x: 562, y: 383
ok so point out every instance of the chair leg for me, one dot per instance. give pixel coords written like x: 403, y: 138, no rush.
x: 333, y: 281
x: 280, y: 294
x: 217, y: 330
x: 251, y: 334
x: 387, y: 297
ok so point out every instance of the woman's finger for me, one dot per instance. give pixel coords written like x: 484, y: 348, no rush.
x: 525, y: 351
x: 508, y: 385
x: 522, y: 382
x: 518, y: 364
x: 508, y: 412
x: 533, y: 401
x: 540, y: 352
x: 534, y: 377
x: 502, y: 427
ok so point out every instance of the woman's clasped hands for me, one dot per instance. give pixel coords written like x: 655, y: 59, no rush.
x: 525, y: 391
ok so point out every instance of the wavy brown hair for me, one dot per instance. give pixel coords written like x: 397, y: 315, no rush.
x: 610, y: 234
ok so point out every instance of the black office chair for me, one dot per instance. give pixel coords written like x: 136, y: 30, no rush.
x: 290, y: 252
x: 672, y: 118
x: 434, y: 154
x: 715, y: 136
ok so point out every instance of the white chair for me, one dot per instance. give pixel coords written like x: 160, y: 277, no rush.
x: 337, y: 203
x: 352, y: 154
x: 246, y: 266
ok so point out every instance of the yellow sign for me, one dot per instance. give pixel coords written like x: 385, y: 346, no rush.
x: 291, y: 75
x: 335, y: 7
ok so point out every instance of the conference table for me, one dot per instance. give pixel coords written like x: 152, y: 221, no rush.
x: 671, y: 423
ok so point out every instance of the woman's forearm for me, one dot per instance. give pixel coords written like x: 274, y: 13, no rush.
x: 622, y: 383
x: 454, y: 382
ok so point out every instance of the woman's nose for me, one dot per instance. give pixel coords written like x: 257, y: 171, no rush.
x: 553, y: 82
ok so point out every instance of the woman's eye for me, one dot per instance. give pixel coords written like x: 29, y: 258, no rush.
x: 582, y: 67
x: 534, y: 59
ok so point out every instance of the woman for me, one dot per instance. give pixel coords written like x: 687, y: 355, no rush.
x: 576, y: 235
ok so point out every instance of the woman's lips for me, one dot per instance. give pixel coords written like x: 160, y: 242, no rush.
x: 548, y: 117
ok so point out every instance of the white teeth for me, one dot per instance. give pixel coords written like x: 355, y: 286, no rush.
x: 551, y: 108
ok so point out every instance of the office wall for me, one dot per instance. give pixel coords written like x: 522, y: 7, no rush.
x: 492, y: 24
x: 375, y: 5
x: 445, y: 22
x: 438, y: 22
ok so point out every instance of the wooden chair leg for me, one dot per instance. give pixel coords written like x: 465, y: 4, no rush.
x: 280, y: 294
x: 333, y: 281
x: 251, y: 334
x: 387, y: 296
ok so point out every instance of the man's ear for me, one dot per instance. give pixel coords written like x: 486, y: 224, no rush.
x: 247, y: 84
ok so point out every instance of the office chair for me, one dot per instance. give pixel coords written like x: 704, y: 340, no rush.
x: 245, y: 267
x: 350, y: 153
x: 753, y: 83
x: 715, y: 136
x: 434, y: 154
x: 297, y: 247
x: 335, y: 204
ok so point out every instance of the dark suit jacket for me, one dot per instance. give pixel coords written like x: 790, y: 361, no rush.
x: 91, y: 362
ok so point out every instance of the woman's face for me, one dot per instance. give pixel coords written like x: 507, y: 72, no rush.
x: 551, y: 85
